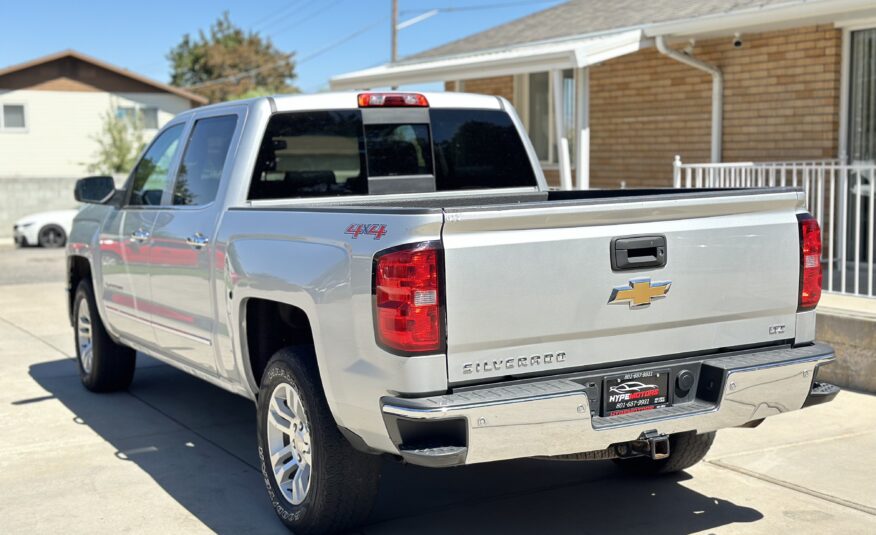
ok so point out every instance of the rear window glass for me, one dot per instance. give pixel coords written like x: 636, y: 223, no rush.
x: 478, y: 149
x: 398, y: 149
x: 311, y: 154
x: 331, y: 153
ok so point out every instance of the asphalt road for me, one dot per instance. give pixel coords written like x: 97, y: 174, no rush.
x: 177, y: 455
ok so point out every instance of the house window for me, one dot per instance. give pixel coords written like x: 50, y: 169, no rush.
x: 148, y: 116
x: 539, y: 117
x: 862, y: 96
x: 13, y: 117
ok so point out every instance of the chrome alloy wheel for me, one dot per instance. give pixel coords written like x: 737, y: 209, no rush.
x: 289, y: 444
x: 84, y: 337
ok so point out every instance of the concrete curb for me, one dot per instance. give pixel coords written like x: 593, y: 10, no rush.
x: 853, y: 336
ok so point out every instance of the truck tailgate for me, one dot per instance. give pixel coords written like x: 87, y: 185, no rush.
x: 528, y: 286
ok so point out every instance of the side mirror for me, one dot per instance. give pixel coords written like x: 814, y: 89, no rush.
x: 94, y: 189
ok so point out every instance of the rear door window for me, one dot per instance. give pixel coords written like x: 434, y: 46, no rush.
x: 200, y: 172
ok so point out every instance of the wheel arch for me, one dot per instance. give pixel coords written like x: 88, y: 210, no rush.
x: 78, y: 269
x: 268, y: 325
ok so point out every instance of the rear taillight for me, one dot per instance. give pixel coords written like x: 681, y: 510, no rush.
x: 810, y: 262
x: 392, y: 100
x: 407, y: 299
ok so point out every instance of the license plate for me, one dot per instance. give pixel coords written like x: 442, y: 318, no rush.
x: 635, y: 392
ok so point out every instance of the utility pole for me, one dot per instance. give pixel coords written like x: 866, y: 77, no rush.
x: 393, y: 53
x: 394, y: 46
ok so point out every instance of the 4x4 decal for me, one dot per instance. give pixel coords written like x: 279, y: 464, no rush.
x: 377, y: 231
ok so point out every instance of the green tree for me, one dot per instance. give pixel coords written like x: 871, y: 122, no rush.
x: 119, y: 142
x: 228, y: 63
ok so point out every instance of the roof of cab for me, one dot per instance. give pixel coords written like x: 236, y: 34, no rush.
x: 349, y: 100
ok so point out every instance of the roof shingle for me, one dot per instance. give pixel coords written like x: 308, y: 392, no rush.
x: 580, y: 17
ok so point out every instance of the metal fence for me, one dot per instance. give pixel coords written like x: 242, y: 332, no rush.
x: 840, y: 196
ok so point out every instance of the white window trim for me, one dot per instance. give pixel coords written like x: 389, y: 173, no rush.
x: 138, y: 108
x: 521, y: 90
x: 14, y: 129
x: 521, y: 99
x: 845, y: 82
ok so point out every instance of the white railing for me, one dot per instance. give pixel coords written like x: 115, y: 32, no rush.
x: 840, y: 196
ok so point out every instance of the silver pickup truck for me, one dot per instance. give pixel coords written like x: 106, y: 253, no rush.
x: 389, y: 274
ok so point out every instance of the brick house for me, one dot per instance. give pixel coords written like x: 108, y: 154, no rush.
x: 629, y: 84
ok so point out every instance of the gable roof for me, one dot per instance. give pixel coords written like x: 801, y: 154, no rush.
x: 585, y: 17
x: 119, y: 71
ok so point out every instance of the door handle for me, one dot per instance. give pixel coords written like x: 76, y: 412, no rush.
x: 197, y: 240
x: 139, y: 236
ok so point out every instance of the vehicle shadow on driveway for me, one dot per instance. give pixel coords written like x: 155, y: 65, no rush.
x: 197, y: 442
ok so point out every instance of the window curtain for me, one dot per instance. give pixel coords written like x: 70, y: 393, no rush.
x: 862, y: 97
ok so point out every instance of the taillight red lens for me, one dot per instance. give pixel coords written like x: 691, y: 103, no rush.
x: 408, y: 299
x: 810, y: 263
x: 392, y: 100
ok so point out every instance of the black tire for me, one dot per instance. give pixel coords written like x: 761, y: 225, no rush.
x: 343, y: 481
x: 685, y: 450
x: 52, y: 237
x: 111, y: 365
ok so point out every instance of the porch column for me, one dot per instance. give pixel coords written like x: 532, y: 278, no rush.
x: 559, y: 135
x: 582, y: 121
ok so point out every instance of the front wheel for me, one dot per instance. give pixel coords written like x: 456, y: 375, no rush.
x: 685, y: 450
x: 316, y: 481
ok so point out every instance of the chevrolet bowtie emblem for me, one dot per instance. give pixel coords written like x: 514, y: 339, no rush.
x: 639, y: 293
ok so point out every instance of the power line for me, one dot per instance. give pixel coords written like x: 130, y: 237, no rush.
x: 302, y: 8
x: 341, y: 41
x: 313, y: 15
x: 331, y: 46
x: 274, y: 15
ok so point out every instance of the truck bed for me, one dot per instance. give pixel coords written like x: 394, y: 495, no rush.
x: 529, y: 274
x: 479, y: 200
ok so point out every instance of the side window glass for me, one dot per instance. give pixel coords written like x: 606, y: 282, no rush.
x: 201, y: 169
x: 151, y: 173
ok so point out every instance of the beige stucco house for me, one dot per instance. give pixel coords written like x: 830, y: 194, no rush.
x: 50, y: 110
x: 630, y: 84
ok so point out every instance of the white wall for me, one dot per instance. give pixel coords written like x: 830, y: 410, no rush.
x: 58, y: 141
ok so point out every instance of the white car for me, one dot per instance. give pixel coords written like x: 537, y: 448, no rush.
x: 46, y: 229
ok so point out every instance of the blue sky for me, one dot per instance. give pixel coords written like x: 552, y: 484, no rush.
x: 138, y: 38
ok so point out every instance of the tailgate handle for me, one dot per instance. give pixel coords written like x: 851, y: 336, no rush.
x: 638, y: 252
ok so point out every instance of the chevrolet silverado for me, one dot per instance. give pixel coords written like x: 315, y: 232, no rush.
x: 388, y: 274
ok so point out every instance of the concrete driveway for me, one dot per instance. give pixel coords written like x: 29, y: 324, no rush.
x: 175, y: 455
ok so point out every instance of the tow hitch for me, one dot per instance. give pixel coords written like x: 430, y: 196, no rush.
x: 651, y: 444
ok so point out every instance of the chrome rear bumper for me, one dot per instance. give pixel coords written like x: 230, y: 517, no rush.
x: 553, y: 417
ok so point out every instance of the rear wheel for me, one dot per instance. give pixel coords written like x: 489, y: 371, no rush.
x: 104, y: 366
x: 316, y: 481
x: 52, y: 236
x: 685, y: 450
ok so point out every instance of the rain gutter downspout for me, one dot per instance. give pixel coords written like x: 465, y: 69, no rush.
x: 717, y: 91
